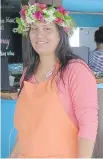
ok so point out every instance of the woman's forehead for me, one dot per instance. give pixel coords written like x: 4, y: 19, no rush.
x: 37, y: 24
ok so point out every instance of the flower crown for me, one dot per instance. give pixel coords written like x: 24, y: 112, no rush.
x: 44, y: 13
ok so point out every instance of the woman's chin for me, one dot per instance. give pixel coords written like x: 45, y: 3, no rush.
x: 42, y: 50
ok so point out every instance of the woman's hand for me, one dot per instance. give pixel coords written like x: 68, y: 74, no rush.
x: 85, y: 148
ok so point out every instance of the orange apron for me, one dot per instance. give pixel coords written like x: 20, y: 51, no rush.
x: 44, y: 128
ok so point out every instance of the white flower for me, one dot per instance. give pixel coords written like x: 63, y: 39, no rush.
x: 30, y: 12
x: 30, y: 17
x: 29, y: 20
x: 45, y: 11
x: 49, y: 11
x: 32, y: 8
x: 63, y: 25
x: 50, y: 18
x: 26, y: 29
x: 15, y: 30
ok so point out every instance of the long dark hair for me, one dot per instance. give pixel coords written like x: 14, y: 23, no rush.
x: 63, y: 53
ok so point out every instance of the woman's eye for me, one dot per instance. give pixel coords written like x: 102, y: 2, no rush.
x: 47, y: 29
x: 33, y: 29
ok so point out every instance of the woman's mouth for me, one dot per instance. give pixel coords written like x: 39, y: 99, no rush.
x: 41, y: 42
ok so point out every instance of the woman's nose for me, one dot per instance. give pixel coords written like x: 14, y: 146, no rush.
x: 40, y: 33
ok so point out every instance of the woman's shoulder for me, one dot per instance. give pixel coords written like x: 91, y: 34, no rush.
x: 77, y: 64
x: 78, y: 77
x: 77, y: 68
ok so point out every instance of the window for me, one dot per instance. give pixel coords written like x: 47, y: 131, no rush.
x: 74, y: 40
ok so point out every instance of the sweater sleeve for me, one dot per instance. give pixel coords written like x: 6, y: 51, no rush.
x: 84, y: 98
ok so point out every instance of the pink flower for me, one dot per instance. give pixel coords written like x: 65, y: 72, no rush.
x: 41, y: 6
x: 22, y: 13
x: 61, y: 10
x: 38, y: 15
x: 59, y: 20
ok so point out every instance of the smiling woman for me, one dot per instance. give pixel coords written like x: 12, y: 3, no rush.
x: 56, y: 114
x: 42, y: 38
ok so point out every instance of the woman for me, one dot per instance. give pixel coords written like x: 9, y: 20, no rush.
x: 56, y: 112
x: 96, y: 57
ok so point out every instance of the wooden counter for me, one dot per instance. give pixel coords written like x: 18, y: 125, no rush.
x: 99, y: 80
x: 11, y: 96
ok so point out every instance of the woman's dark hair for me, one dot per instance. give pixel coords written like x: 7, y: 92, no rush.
x: 99, y: 35
x: 63, y: 53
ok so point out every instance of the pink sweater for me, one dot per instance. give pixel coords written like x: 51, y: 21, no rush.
x: 79, y: 97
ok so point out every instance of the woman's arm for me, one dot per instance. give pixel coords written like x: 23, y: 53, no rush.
x: 85, y: 104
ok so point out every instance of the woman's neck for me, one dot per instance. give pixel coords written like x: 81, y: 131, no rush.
x: 45, y: 68
x: 46, y: 63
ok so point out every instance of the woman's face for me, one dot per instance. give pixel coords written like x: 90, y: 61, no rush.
x: 44, y: 38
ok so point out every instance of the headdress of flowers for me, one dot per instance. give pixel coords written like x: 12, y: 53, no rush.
x: 36, y: 12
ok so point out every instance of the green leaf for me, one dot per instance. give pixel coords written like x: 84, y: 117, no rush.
x: 18, y: 20
x: 26, y: 12
x: 58, y: 15
x: 66, y: 17
x: 46, y: 15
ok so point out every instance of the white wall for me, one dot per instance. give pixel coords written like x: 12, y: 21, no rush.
x: 86, y: 37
